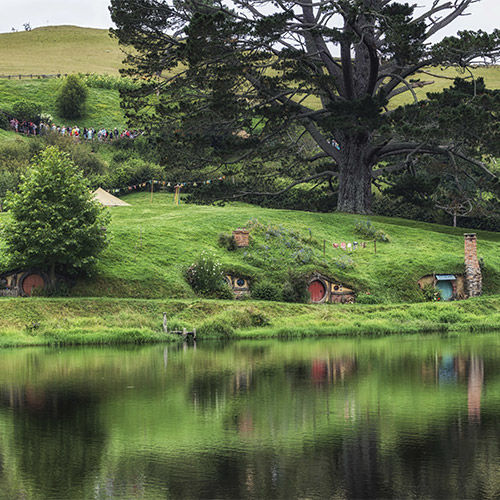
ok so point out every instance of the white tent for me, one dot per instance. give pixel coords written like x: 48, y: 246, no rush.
x: 108, y: 200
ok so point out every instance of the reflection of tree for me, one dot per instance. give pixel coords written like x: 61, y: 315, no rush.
x: 58, y: 440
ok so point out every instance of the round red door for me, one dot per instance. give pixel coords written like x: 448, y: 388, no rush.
x: 317, y: 291
x: 31, y: 282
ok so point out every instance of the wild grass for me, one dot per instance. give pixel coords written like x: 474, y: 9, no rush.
x: 41, y: 321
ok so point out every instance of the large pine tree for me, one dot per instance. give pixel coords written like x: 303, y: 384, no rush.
x: 283, y: 70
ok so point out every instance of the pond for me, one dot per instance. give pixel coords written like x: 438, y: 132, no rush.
x: 389, y: 417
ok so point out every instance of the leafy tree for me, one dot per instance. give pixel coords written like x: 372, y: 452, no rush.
x: 72, y: 97
x: 286, y: 70
x: 55, y: 223
x: 27, y: 111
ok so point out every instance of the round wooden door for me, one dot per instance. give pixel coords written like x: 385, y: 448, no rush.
x: 317, y: 290
x: 31, y: 282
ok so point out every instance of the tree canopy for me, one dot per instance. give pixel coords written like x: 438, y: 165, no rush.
x: 55, y: 224
x: 308, y: 84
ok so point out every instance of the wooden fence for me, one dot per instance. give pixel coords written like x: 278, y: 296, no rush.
x: 20, y: 77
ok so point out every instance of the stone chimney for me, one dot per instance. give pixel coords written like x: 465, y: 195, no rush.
x: 473, y: 277
x: 241, y: 237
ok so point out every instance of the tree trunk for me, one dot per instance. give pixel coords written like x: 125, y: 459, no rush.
x: 454, y: 219
x: 52, y: 274
x: 355, y: 176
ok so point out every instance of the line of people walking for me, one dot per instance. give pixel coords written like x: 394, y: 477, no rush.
x: 102, y: 134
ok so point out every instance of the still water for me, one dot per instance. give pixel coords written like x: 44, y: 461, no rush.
x: 392, y: 417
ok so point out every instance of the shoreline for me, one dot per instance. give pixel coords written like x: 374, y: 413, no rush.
x: 100, y: 321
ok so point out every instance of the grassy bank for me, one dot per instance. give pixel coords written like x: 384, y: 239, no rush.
x: 101, y: 321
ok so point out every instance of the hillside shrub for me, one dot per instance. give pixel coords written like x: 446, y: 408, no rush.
x: 133, y: 171
x: 206, y: 277
x: 228, y: 242
x: 4, y: 121
x: 216, y: 327
x: 295, y: 288
x: 344, y: 262
x: 109, y: 82
x: 275, y: 246
x: 431, y: 293
x: 366, y: 298
x: 366, y: 228
x: 72, y: 97
x: 27, y: 111
x: 266, y: 290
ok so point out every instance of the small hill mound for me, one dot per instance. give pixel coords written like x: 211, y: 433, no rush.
x: 59, y: 49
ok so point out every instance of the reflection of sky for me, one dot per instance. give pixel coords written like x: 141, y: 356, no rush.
x: 447, y: 374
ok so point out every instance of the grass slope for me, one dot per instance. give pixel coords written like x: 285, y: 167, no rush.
x: 103, y: 105
x: 153, y: 243
x: 59, y: 49
x: 98, y: 321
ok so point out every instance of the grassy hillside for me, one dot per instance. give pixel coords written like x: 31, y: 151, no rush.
x: 103, y: 105
x: 59, y: 49
x: 153, y: 243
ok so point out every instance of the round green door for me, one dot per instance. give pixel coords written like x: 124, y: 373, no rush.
x: 446, y: 289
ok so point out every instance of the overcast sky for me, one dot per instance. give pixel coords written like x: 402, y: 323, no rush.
x: 94, y: 14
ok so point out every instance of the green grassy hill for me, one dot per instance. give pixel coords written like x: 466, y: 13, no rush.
x: 59, y: 49
x: 103, y: 105
x: 153, y: 244
x: 72, y: 49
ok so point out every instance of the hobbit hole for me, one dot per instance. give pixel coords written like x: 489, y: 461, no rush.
x: 323, y: 289
x: 459, y: 286
x: 22, y: 283
x: 239, y: 285
x: 32, y: 282
x: 317, y: 290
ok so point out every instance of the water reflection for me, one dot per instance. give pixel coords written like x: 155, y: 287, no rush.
x: 374, y: 418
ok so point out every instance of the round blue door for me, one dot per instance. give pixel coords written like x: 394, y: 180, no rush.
x: 446, y: 289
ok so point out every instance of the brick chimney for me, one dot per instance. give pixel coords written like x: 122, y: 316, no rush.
x: 473, y: 277
x: 241, y: 236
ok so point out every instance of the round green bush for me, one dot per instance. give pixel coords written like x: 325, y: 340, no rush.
x: 72, y: 97
x: 206, y: 277
x: 266, y: 290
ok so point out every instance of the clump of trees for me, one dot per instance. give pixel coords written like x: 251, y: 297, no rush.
x: 72, y: 98
x: 55, y: 224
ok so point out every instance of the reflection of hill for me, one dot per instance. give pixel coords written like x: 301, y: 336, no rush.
x: 257, y: 417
